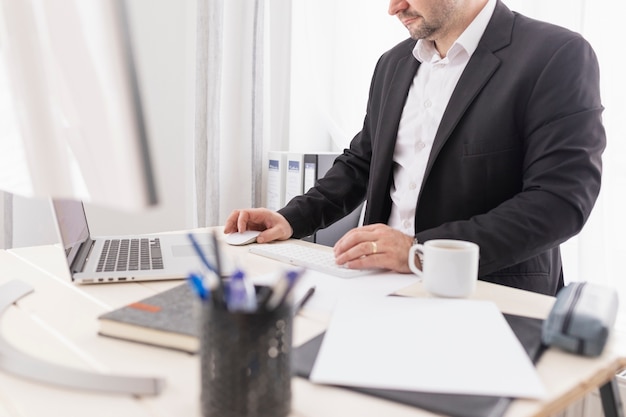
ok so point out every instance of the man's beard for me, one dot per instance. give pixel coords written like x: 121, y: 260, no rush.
x: 422, y: 30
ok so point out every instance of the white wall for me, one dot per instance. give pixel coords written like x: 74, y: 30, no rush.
x: 164, y: 33
x: 336, y: 44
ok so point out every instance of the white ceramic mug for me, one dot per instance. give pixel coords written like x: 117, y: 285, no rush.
x: 450, y: 267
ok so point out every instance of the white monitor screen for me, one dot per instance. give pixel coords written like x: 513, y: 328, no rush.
x: 72, y: 104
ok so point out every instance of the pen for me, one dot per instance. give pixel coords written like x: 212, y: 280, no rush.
x: 241, y: 294
x: 218, y: 266
x: 201, y: 254
x: 307, y: 295
x: 210, y: 267
x: 197, y: 284
x: 216, y: 254
x: 282, y: 288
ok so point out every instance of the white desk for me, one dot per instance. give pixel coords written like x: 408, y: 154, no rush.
x: 58, y: 323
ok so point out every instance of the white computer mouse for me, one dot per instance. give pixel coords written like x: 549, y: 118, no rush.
x: 243, y: 238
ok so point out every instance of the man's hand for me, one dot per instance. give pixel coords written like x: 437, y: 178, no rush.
x: 273, y: 226
x: 374, y: 246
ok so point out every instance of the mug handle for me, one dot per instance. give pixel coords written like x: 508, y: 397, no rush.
x: 419, y: 248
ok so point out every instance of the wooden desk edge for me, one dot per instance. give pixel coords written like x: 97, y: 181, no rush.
x: 600, y: 378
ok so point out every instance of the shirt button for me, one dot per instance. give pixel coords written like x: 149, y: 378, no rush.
x: 420, y: 145
x: 406, y: 224
x: 412, y: 186
x: 428, y: 103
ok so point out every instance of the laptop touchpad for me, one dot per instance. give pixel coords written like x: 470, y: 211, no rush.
x: 188, y: 250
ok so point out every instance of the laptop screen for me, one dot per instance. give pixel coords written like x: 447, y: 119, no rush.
x: 72, y: 225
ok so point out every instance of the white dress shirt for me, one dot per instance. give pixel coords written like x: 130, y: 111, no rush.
x: 428, y: 98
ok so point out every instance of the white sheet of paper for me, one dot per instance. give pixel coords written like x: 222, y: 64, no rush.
x: 329, y: 289
x: 430, y: 345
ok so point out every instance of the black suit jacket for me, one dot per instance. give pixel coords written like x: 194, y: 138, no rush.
x: 516, y: 162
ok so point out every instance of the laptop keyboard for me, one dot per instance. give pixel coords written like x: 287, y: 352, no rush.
x: 313, y: 257
x: 130, y: 255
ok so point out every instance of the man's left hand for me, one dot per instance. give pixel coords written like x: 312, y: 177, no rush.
x: 374, y: 246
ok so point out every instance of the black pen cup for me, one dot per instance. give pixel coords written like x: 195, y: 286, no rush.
x: 246, y: 362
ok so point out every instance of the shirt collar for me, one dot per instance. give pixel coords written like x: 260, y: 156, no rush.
x: 425, y: 51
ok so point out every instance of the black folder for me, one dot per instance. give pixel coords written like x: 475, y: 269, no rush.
x: 527, y: 330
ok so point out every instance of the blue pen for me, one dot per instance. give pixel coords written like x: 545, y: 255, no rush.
x: 197, y: 284
x: 219, y: 298
x: 201, y: 254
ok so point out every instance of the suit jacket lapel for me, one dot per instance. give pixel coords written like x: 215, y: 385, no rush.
x: 477, y: 73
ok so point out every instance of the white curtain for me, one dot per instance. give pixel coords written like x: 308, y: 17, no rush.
x: 242, y: 101
x: 209, y: 59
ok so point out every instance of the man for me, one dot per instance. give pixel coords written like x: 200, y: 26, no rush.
x: 484, y: 126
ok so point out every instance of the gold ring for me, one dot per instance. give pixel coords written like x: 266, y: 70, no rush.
x: 374, y: 247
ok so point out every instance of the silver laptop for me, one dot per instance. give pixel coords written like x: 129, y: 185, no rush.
x: 103, y: 259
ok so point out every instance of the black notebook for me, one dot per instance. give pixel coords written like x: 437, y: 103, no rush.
x: 165, y: 319
x: 527, y: 330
